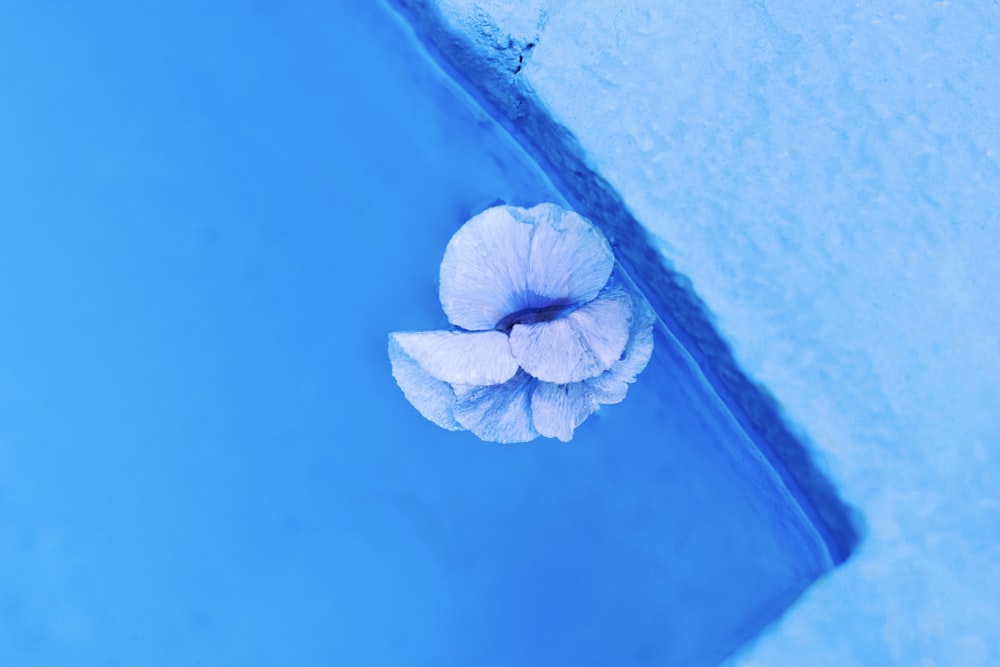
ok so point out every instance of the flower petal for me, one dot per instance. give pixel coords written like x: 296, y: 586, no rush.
x: 508, y: 259
x: 433, y: 398
x: 483, y: 273
x: 612, y: 385
x: 570, y: 260
x: 499, y: 413
x: 577, y: 346
x: 456, y: 357
x: 557, y: 409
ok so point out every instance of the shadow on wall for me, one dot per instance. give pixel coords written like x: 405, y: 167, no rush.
x: 494, y: 80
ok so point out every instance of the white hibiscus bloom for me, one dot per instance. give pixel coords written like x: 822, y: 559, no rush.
x: 544, y: 335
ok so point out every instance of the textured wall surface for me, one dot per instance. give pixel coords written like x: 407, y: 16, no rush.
x: 829, y: 180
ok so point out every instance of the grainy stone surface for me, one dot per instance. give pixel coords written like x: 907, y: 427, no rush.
x: 829, y: 179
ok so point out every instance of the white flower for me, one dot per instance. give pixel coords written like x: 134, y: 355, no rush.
x: 544, y: 335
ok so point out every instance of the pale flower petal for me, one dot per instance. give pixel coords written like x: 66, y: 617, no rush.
x: 577, y: 346
x: 612, y: 385
x: 433, y: 398
x: 457, y: 357
x: 484, y: 270
x: 499, y: 413
x: 557, y: 409
x: 508, y: 260
x: 570, y: 259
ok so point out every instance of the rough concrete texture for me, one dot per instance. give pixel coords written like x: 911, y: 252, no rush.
x: 828, y: 177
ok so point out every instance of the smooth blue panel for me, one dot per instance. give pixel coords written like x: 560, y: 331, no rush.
x: 211, y: 214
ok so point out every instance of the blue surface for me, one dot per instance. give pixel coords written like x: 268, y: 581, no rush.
x: 210, y: 217
x: 824, y: 177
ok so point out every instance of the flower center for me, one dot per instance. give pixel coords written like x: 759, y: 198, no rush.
x: 547, y: 313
